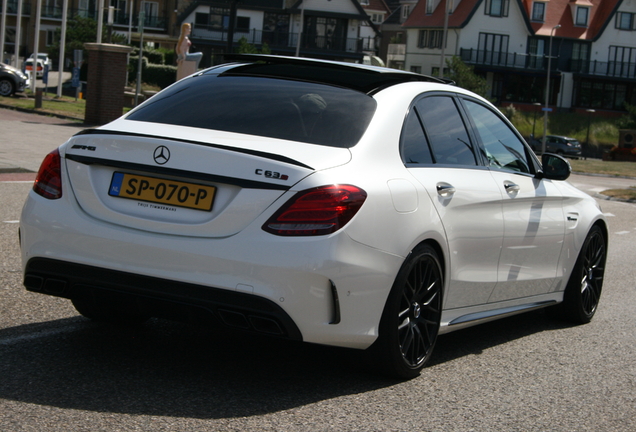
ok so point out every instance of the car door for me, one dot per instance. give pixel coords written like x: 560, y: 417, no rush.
x: 534, y: 222
x: 439, y: 153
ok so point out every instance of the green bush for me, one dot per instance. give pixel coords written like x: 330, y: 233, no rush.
x: 154, y: 74
x: 160, y: 75
x: 153, y: 56
x: 170, y: 58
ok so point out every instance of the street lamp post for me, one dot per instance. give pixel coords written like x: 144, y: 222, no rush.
x: 547, y: 91
x: 589, y: 119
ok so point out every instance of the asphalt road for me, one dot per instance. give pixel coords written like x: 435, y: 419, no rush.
x: 60, y: 372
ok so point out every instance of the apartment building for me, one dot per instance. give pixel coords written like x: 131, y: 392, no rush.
x: 592, y: 42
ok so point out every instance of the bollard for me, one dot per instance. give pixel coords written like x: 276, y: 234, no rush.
x: 38, y: 98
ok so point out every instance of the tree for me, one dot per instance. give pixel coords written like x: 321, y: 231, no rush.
x: 464, y: 77
x: 628, y: 121
x: 80, y: 30
x: 244, y: 47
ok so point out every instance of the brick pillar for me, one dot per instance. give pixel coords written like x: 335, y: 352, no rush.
x: 105, y: 83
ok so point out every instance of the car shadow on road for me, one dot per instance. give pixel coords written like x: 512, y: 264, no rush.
x: 171, y: 369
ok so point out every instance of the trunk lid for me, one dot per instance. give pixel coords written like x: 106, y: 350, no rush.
x: 185, y: 181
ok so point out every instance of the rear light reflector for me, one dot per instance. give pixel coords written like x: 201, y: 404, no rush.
x: 319, y: 211
x: 48, y: 182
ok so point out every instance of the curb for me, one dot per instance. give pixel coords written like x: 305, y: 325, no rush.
x: 609, y: 198
x: 45, y: 113
x: 603, y: 175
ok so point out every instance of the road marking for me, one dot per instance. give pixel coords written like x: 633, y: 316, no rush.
x: 609, y: 214
x: 622, y: 232
x: 39, y: 334
x: 12, y: 222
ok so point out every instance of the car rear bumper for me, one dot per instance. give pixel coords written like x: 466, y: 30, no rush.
x: 328, y: 290
x: 159, y: 297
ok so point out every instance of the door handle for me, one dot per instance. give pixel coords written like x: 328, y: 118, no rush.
x: 445, y: 189
x: 511, y: 187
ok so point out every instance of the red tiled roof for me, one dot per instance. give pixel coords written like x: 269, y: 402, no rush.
x: 459, y: 17
x: 377, y: 5
x: 557, y: 12
x: 560, y: 12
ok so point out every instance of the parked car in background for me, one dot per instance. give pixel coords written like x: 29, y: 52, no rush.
x: 12, y: 80
x: 561, y: 145
x: 325, y: 202
x: 39, y: 72
x: 45, y: 59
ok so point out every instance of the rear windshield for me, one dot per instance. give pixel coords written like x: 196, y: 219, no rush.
x: 269, y: 107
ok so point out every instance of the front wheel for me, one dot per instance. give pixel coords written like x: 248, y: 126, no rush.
x: 411, y: 318
x: 583, y: 291
x: 6, y: 87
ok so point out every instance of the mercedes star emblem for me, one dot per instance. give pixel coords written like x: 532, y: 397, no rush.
x: 161, y: 155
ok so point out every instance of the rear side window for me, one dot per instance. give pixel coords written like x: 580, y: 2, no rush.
x: 434, y: 132
x: 275, y: 108
x: 446, y: 131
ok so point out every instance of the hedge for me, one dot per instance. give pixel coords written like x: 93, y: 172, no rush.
x: 153, y: 74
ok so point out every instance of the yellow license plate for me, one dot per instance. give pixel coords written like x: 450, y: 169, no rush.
x: 162, y: 191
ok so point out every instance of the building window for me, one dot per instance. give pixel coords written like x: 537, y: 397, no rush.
x: 497, y: 8
x: 201, y: 20
x: 625, y: 21
x: 435, y: 71
x: 603, y: 95
x: 430, y: 7
x: 406, y: 11
x: 219, y: 18
x: 538, y: 11
x: 430, y: 39
x: 621, y: 61
x: 364, y: 2
x: 151, y: 10
x: 582, y: 15
x: 492, y: 48
x: 50, y: 37
x: 243, y: 23
x: 416, y: 69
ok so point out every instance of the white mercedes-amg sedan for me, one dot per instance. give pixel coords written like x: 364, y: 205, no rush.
x: 325, y: 202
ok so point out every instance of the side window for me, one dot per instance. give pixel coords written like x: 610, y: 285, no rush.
x: 503, y: 149
x: 446, y: 131
x: 415, y: 149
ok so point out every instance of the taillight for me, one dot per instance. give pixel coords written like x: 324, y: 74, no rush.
x: 317, y: 211
x: 48, y: 182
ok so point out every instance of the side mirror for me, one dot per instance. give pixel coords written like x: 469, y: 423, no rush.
x: 555, y: 167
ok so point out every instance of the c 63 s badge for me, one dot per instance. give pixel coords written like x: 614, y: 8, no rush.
x: 271, y: 174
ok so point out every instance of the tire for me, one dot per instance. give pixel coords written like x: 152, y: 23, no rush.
x: 583, y: 291
x: 7, y: 88
x: 106, y: 313
x: 411, y: 318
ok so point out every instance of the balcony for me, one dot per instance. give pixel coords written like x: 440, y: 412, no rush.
x: 535, y: 62
x: 120, y: 18
x: 608, y: 69
x: 504, y: 59
x: 12, y: 7
x: 286, y: 40
x: 396, y: 52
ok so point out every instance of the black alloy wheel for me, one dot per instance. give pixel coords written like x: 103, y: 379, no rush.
x: 6, y: 87
x: 583, y: 292
x: 412, y: 315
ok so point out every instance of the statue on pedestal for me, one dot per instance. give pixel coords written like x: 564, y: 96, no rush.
x: 187, y: 63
